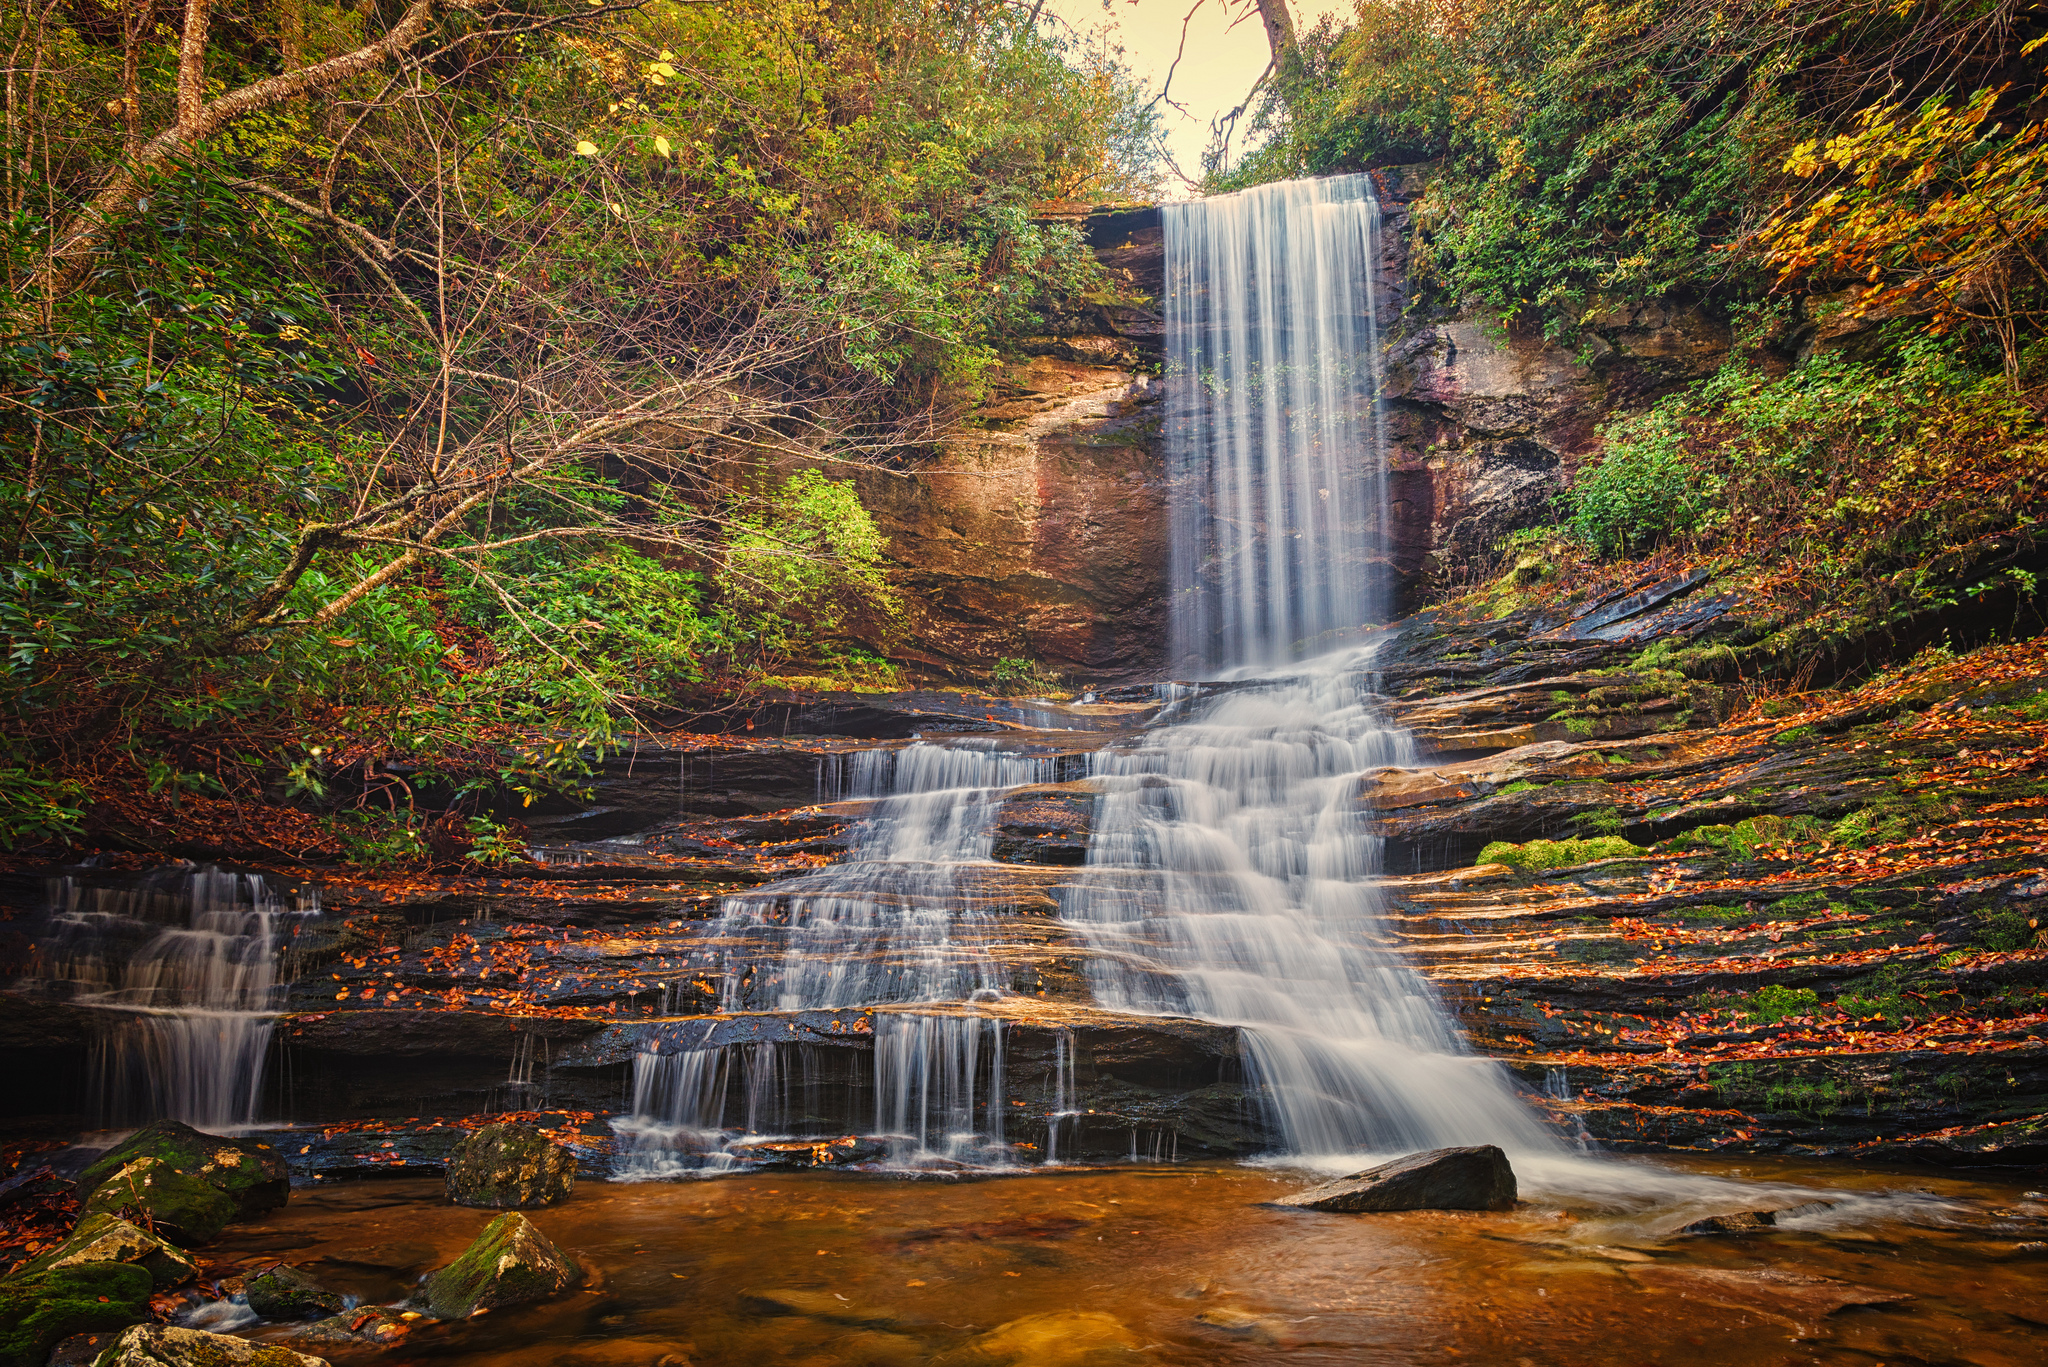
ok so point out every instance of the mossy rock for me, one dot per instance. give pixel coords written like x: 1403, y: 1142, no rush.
x: 283, y: 1292
x: 1537, y: 855
x: 509, y: 1167
x: 102, y: 1237
x: 189, y: 1208
x: 253, y: 1174
x: 36, y: 1310
x: 163, y: 1345
x: 510, y: 1263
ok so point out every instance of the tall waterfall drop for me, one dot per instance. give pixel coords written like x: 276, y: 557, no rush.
x: 1276, y: 450
x: 1232, y: 873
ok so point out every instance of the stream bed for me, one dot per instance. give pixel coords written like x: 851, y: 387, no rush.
x: 1182, y: 1264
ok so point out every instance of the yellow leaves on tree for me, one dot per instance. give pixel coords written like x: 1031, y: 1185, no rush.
x: 1940, y: 211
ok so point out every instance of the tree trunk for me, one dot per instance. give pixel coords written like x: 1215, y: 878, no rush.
x: 1279, y: 30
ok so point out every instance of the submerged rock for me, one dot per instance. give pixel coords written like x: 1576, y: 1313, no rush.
x: 251, y: 1174
x: 510, y: 1263
x: 36, y: 1310
x: 817, y: 1305
x: 1751, y: 1221
x: 1072, y: 1338
x: 162, y: 1345
x: 510, y: 1166
x: 283, y: 1292
x: 189, y: 1207
x: 373, y: 1326
x: 1474, y: 1178
x: 104, y: 1238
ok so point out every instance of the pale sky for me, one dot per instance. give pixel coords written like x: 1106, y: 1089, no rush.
x: 1218, y: 67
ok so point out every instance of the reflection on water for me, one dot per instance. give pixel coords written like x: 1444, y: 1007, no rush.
x: 1183, y: 1266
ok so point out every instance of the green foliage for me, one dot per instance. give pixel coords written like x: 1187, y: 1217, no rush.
x: 1018, y: 676
x: 1588, y: 153
x: 797, y: 569
x: 1643, y: 491
x: 1600, y: 821
x: 1538, y: 855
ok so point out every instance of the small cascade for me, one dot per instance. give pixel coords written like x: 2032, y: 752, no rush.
x: 1065, y: 1115
x: 939, y: 1088
x: 897, y: 921
x: 1557, y: 1085
x: 186, y: 967
x: 1275, y: 438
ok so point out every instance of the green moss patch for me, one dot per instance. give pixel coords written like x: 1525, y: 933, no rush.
x: 1536, y: 855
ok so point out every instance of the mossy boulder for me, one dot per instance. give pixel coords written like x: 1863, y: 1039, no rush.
x: 104, y: 1238
x: 162, y: 1345
x: 283, y: 1292
x: 38, y: 1309
x: 510, y: 1263
x: 190, y: 1209
x: 252, y: 1174
x: 509, y: 1167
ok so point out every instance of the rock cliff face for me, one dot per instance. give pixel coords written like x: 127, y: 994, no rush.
x: 1038, y: 532
x: 1486, y: 422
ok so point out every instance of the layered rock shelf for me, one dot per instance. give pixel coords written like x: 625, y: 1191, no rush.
x: 1807, y: 925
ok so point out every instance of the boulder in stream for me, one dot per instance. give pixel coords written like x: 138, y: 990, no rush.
x: 283, y: 1292
x: 1473, y: 1178
x: 1752, y: 1221
x: 163, y: 1345
x: 509, y: 1167
x: 510, y: 1263
x: 104, y: 1238
x: 166, y: 1198
x: 251, y: 1174
x: 38, y: 1309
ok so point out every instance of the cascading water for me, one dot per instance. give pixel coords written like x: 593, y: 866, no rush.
x: 186, y: 969
x: 1275, y: 440
x: 1231, y: 877
x: 899, y: 920
x: 1231, y: 874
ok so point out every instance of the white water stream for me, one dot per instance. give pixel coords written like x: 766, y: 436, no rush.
x: 1275, y: 430
x: 184, y: 970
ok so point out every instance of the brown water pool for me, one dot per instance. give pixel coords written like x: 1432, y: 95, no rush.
x: 1184, y: 1265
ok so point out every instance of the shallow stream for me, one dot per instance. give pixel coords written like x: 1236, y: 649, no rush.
x: 1166, y: 1265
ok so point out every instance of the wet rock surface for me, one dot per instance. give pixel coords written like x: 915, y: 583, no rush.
x: 1474, y: 1178
x: 103, y: 1238
x: 163, y: 1345
x: 511, y: 1263
x: 510, y: 1166
x: 284, y: 1292
x: 37, y: 1310
x: 250, y: 1173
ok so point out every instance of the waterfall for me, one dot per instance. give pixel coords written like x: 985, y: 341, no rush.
x: 1233, y: 870
x: 185, y: 969
x: 899, y: 920
x: 1275, y: 442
